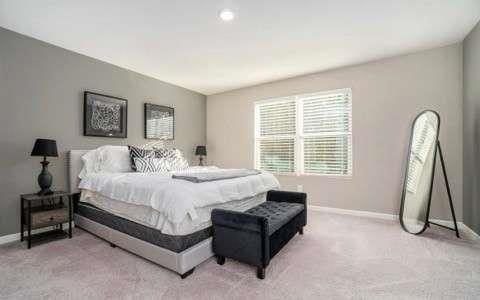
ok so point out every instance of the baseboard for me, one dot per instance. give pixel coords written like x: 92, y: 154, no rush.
x: 360, y: 213
x: 469, y: 231
x: 464, y: 229
x: 9, y: 238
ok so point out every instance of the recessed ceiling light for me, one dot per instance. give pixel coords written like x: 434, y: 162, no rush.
x: 226, y: 15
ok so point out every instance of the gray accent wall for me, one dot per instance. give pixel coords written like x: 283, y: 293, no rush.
x: 41, y: 94
x: 387, y: 95
x: 471, y: 129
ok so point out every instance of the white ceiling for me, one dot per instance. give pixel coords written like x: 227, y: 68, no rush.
x: 184, y: 43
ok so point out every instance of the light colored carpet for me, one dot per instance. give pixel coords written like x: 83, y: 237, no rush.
x: 339, y: 257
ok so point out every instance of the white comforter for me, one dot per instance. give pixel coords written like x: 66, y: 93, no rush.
x: 176, y: 198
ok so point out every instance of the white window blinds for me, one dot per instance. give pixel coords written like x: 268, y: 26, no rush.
x: 275, y: 131
x: 327, y: 133
x: 305, y: 134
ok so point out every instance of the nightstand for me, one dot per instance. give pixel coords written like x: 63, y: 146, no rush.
x: 45, y: 211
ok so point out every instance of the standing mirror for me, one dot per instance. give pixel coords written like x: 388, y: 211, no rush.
x: 417, y: 189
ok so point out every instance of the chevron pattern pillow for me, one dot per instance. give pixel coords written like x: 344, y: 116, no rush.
x: 136, y: 152
x: 175, y: 158
x: 151, y: 165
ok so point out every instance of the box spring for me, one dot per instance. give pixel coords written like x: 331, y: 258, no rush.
x: 173, y: 243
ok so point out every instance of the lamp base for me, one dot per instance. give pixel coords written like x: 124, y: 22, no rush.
x: 200, y: 163
x: 45, y: 180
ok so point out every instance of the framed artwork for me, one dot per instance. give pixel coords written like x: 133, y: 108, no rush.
x: 104, y: 116
x: 159, y: 122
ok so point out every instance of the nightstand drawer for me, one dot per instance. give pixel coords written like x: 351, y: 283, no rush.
x: 49, y: 217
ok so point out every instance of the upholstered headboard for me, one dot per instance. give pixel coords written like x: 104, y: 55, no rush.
x: 75, y: 165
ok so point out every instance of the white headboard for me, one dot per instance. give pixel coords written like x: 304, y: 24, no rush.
x: 75, y: 165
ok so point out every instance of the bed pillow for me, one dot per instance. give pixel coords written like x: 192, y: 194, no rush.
x: 90, y: 163
x: 180, y: 163
x: 106, y: 159
x: 174, y: 157
x: 136, y: 152
x: 151, y: 164
x: 114, y: 159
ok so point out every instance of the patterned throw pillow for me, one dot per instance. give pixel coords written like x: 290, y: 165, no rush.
x: 174, y: 157
x: 151, y: 165
x: 179, y: 163
x: 136, y: 152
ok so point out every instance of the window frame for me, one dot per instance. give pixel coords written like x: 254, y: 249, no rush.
x: 299, y: 136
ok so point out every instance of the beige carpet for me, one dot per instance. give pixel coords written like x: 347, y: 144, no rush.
x: 339, y: 257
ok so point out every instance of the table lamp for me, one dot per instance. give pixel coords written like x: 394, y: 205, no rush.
x: 201, y: 151
x: 44, y: 147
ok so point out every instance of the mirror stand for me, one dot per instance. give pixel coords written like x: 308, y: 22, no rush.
x: 447, y: 186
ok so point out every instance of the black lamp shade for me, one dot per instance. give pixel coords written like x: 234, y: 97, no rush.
x: 44, y: 147
x: 201, y: 150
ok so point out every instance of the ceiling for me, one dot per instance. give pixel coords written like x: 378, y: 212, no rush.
x: 183, y: 42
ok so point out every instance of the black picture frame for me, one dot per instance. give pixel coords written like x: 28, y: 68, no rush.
x: 104, y: 115
x: 157, y: 131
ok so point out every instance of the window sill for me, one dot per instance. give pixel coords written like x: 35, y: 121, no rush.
x: 314, y: 175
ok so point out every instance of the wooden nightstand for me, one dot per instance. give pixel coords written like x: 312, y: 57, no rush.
x: 45, y: 211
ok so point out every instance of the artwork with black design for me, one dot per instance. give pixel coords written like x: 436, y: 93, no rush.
x: 104, y: 116
x: 159, y: 122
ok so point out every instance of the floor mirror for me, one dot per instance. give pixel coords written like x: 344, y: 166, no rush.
x: 419, y: 175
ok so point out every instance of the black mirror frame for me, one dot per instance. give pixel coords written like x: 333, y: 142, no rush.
x: 402, y: 205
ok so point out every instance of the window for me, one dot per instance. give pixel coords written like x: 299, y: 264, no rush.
x: 305, y: 134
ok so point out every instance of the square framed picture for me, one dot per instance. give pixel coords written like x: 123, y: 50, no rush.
x: 159, y: 122
x: 104, y: 115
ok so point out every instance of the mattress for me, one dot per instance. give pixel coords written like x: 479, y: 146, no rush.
x: 173, y: 243
x: 176, y: 199
x: 149, y: 217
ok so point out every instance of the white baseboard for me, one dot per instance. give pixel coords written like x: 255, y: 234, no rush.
x: 464, y: 229
x: 467, y: 231
x: 16, y: 236
x: 360, y: 213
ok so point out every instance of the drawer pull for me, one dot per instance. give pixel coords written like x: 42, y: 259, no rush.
x: 51, y: 218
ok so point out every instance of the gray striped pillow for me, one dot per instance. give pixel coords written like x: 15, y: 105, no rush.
x: 151, y: 164
x: 174, y: 157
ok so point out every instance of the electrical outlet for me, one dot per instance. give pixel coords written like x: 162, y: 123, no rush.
x: 299, y: 188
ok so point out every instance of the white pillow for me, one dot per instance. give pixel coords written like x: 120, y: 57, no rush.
x: 114, y: 159
x: 90, y: 163
x: 180, y: 163
x: 151, y: 164
x: 106, y: 159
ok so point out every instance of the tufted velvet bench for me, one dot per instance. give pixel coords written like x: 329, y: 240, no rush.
x: 256, y: 235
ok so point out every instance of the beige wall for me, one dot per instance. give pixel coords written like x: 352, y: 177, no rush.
x: 387, y: 95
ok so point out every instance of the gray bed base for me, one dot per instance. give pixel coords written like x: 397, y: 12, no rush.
x: 182, y: 263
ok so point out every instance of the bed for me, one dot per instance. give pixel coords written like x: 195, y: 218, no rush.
x: 162, y: 219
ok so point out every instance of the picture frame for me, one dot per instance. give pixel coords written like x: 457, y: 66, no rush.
x: 104, y: 115
x: 159, y: 122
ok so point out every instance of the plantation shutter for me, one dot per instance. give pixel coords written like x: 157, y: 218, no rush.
x: 275, y: 136
x: 327, y: 133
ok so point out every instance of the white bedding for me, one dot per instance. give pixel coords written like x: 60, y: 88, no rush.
x: 176, y: 199
x: 151, y: 218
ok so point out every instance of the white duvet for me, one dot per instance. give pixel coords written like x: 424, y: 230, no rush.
x: 176, y: 198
